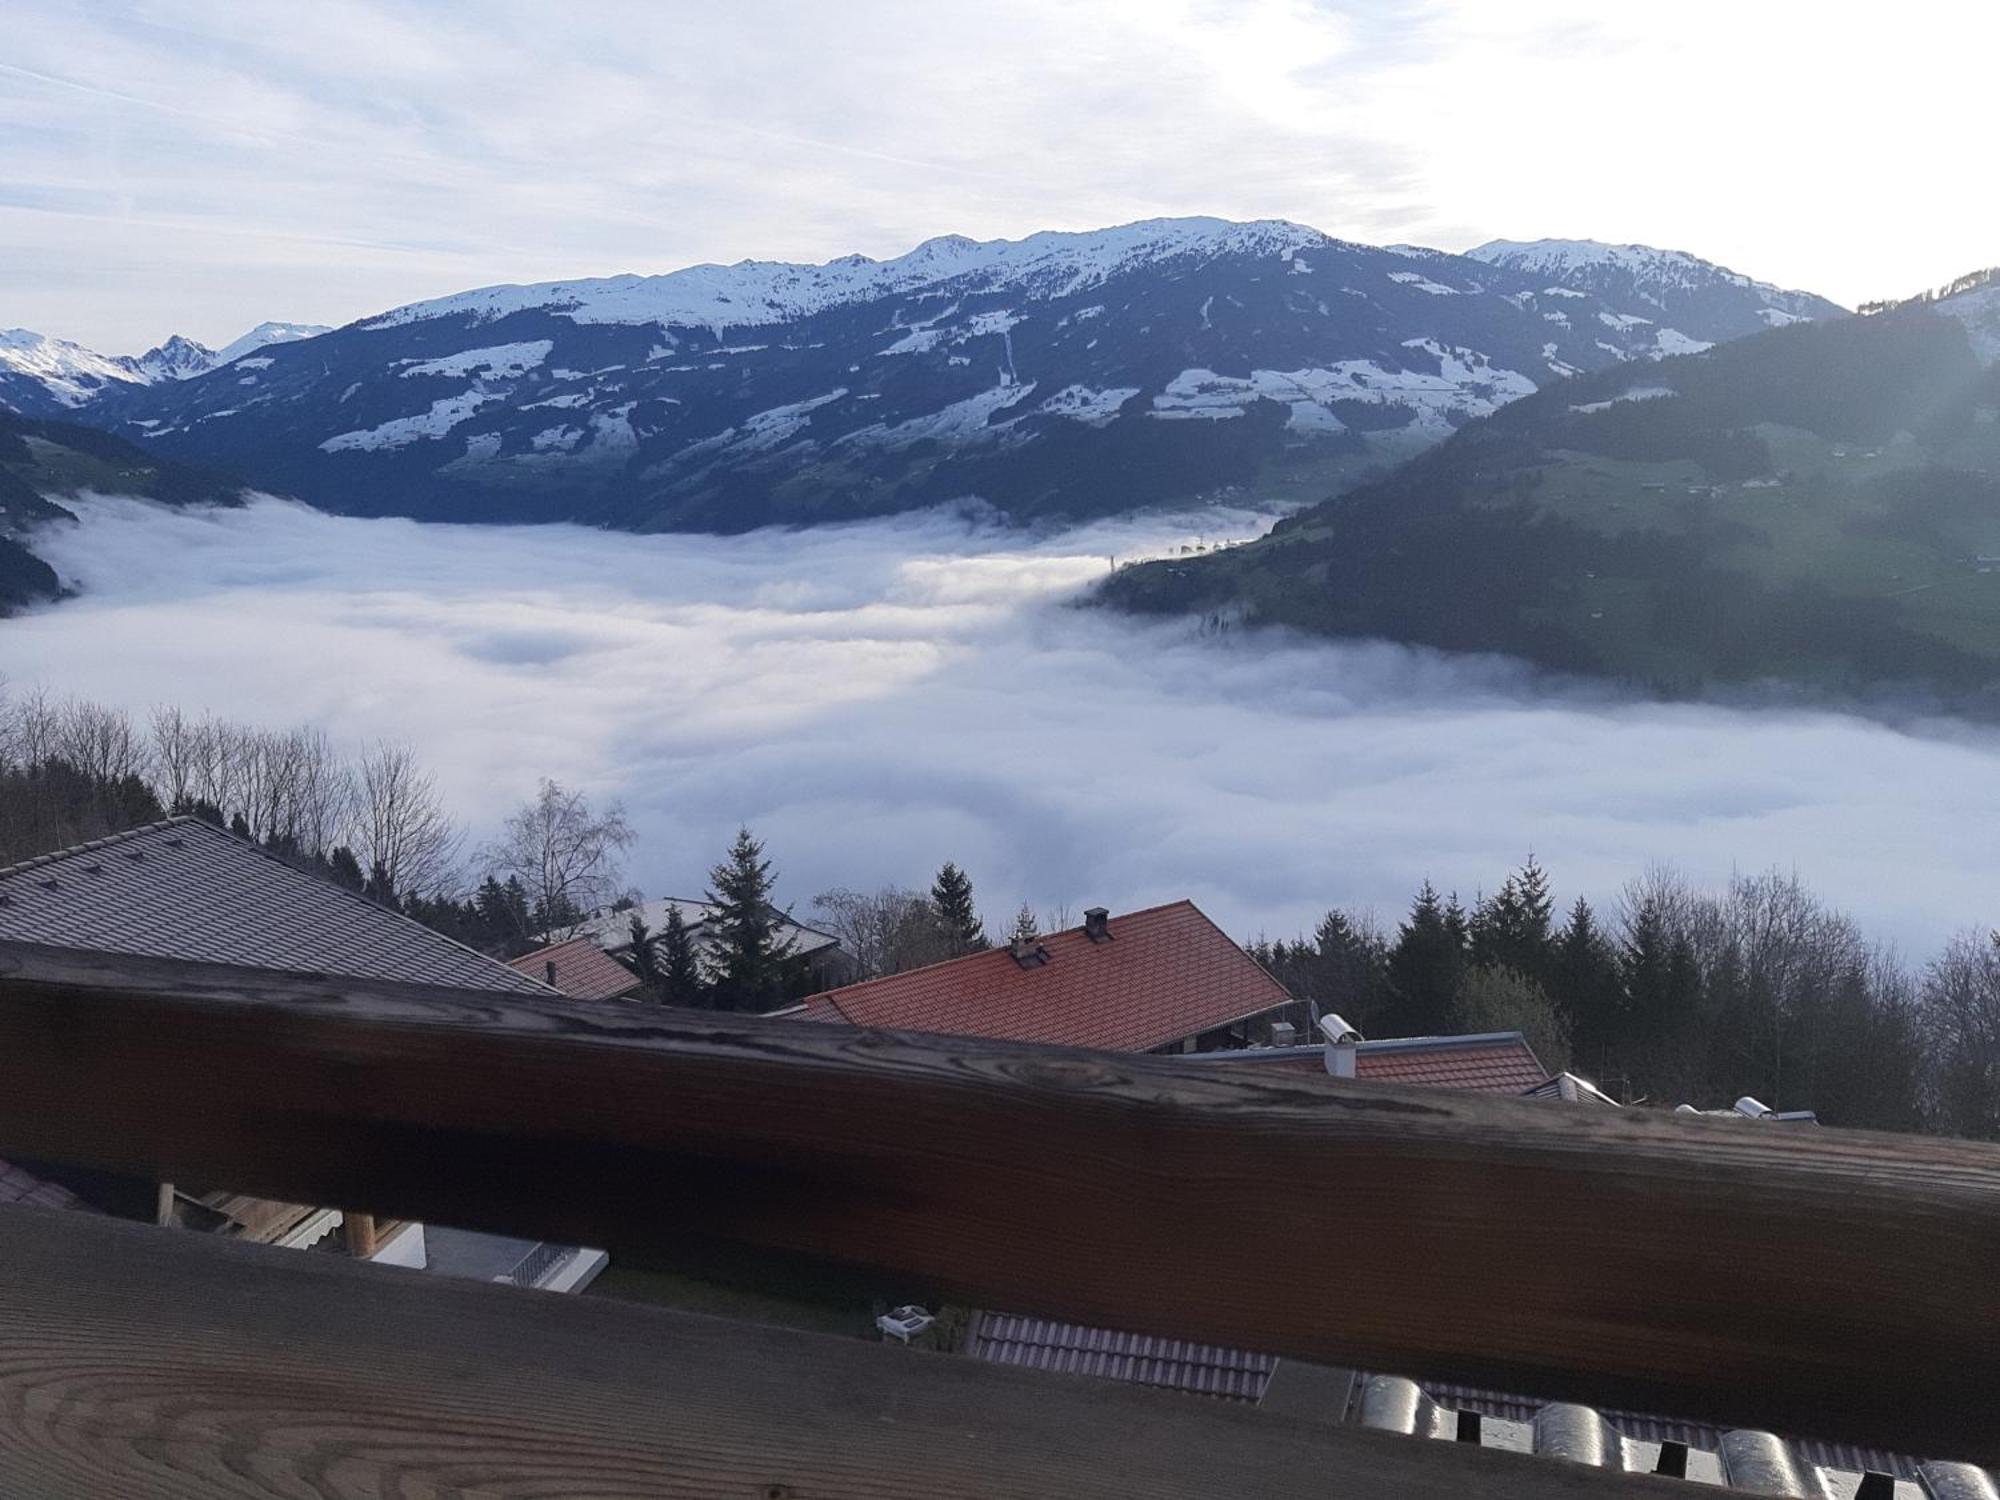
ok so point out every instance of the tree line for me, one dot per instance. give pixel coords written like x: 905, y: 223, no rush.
x: 1675, y: 995
x: 1680, y: 995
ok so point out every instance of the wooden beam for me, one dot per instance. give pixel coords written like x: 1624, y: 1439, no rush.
x: 135, y: 1364
x: 1817, y: 1282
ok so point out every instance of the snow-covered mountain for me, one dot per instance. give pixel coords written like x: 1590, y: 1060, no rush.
x: 1674, y: 288
x: 43, y: 376
x: 1058, y: 374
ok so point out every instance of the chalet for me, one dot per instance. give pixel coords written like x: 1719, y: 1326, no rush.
x: 596, y: 961
x: 186, y: 889
x: 1165, y: 979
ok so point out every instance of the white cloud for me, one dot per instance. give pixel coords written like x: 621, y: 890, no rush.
x: 877, y: 698
x: 181, y: 166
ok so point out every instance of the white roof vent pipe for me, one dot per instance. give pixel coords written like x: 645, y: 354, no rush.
x: 1341, y: 1040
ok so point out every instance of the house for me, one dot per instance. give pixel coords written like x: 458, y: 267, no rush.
x: 595, y: 962
x: 1488, y: 1062
x: 579, y: 968
x: 1165, y: 979
x: 186, y: 889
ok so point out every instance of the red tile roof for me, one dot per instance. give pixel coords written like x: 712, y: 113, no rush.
x: 1166, y: 973
x: 1481, y: 1065
x: 583, y: 970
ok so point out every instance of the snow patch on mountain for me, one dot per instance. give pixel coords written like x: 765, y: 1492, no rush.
x: 400, y: 432
x: 1043, y: 266
x: 1082, y: 404
x: 1465, y: 385
x: 1671, y: 341
x: 1637, y: 393
x: 498, y: 360
x: 1979, y: 311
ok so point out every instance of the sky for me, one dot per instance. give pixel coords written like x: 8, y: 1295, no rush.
x: 874, y: 699
x: 198, y: 167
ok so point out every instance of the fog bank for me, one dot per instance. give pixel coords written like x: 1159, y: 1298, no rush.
x: 874, y: 699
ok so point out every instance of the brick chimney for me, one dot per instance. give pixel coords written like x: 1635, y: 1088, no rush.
x: 1097, y: 924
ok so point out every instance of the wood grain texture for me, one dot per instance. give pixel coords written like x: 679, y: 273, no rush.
x: 137, y: 1363
x: 1818, y: 1282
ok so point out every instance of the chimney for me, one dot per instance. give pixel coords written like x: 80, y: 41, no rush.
x: 1097, y: 924
x: 1283, y: 1033
x: 1341, y: 1042
x: 549, y: 972
x: 1028, y: 952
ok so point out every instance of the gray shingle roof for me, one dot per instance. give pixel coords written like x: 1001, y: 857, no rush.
x: 187, y: 889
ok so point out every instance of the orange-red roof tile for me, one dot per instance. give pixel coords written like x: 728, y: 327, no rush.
x: 1498, y: 1067
x: 1166, y: 973
x: 583, y: 971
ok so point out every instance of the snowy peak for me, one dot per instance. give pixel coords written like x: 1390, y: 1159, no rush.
x: 60, y: 373
x: 1685, y: 288
x: 754, y: 293
x: 265, y: 334
x: 177, y: 359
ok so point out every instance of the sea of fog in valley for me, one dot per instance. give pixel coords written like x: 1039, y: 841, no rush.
x: 876, y: 698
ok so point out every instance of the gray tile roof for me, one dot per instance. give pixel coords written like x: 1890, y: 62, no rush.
x: 187, y: 889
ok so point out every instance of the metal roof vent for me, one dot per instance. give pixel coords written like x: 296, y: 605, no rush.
x: 1283, y: 1033
x: 1097, y: 924
x: 1756, y: 1109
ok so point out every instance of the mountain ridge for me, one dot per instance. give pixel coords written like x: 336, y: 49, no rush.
x: 1062, y: 375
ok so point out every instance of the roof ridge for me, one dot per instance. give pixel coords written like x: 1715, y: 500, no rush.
x: 39, y: 861
x: 1041, y: 937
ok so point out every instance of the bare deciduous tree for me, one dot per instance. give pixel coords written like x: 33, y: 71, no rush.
x: 400, y: 825
x: 565, y: 855
x: 884, y: 931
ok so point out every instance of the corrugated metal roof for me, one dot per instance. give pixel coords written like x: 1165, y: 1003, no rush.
x: 583, y: 971
x: 1636, y: 1443
x: 18, y: 1186
x: 1165, y: 973
x: 189, y: 890
x: 1072, y: 1349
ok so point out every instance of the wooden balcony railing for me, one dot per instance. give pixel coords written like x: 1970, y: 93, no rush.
x: 1819, y: 1282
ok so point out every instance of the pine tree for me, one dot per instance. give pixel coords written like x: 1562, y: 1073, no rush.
x: 642, y: 960
x: 1589, y: 991
x: 1426, y: 965
x: 951, y: 894
x: 1511, y: 928
x: 379, y: 887
x: 1025, y: 928
x: 747, y: 957
x: 679, y: 965
x: 345, y: 868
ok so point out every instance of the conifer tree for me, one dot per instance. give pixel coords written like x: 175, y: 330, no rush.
x: 747, y: 956
x: 1426, y: 965
x: 679, y: 965
x: 1589, y: 991
x: 951, y: 894
x: 643, y: 960
x: 1025, y: 929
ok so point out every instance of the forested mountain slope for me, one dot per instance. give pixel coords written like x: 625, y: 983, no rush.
x: 1818, y: 505
x: 42, y: 463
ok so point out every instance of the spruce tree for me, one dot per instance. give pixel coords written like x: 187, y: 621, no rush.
x: 1511, y: 928
x: 643, y: 960
x: 679, y: 965
x: 1426, y: 965
x: 951, y: 894
x: 1026, y: 929
x: 747, y: 968
x: 345, y: 868
x: 1590, y: 993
